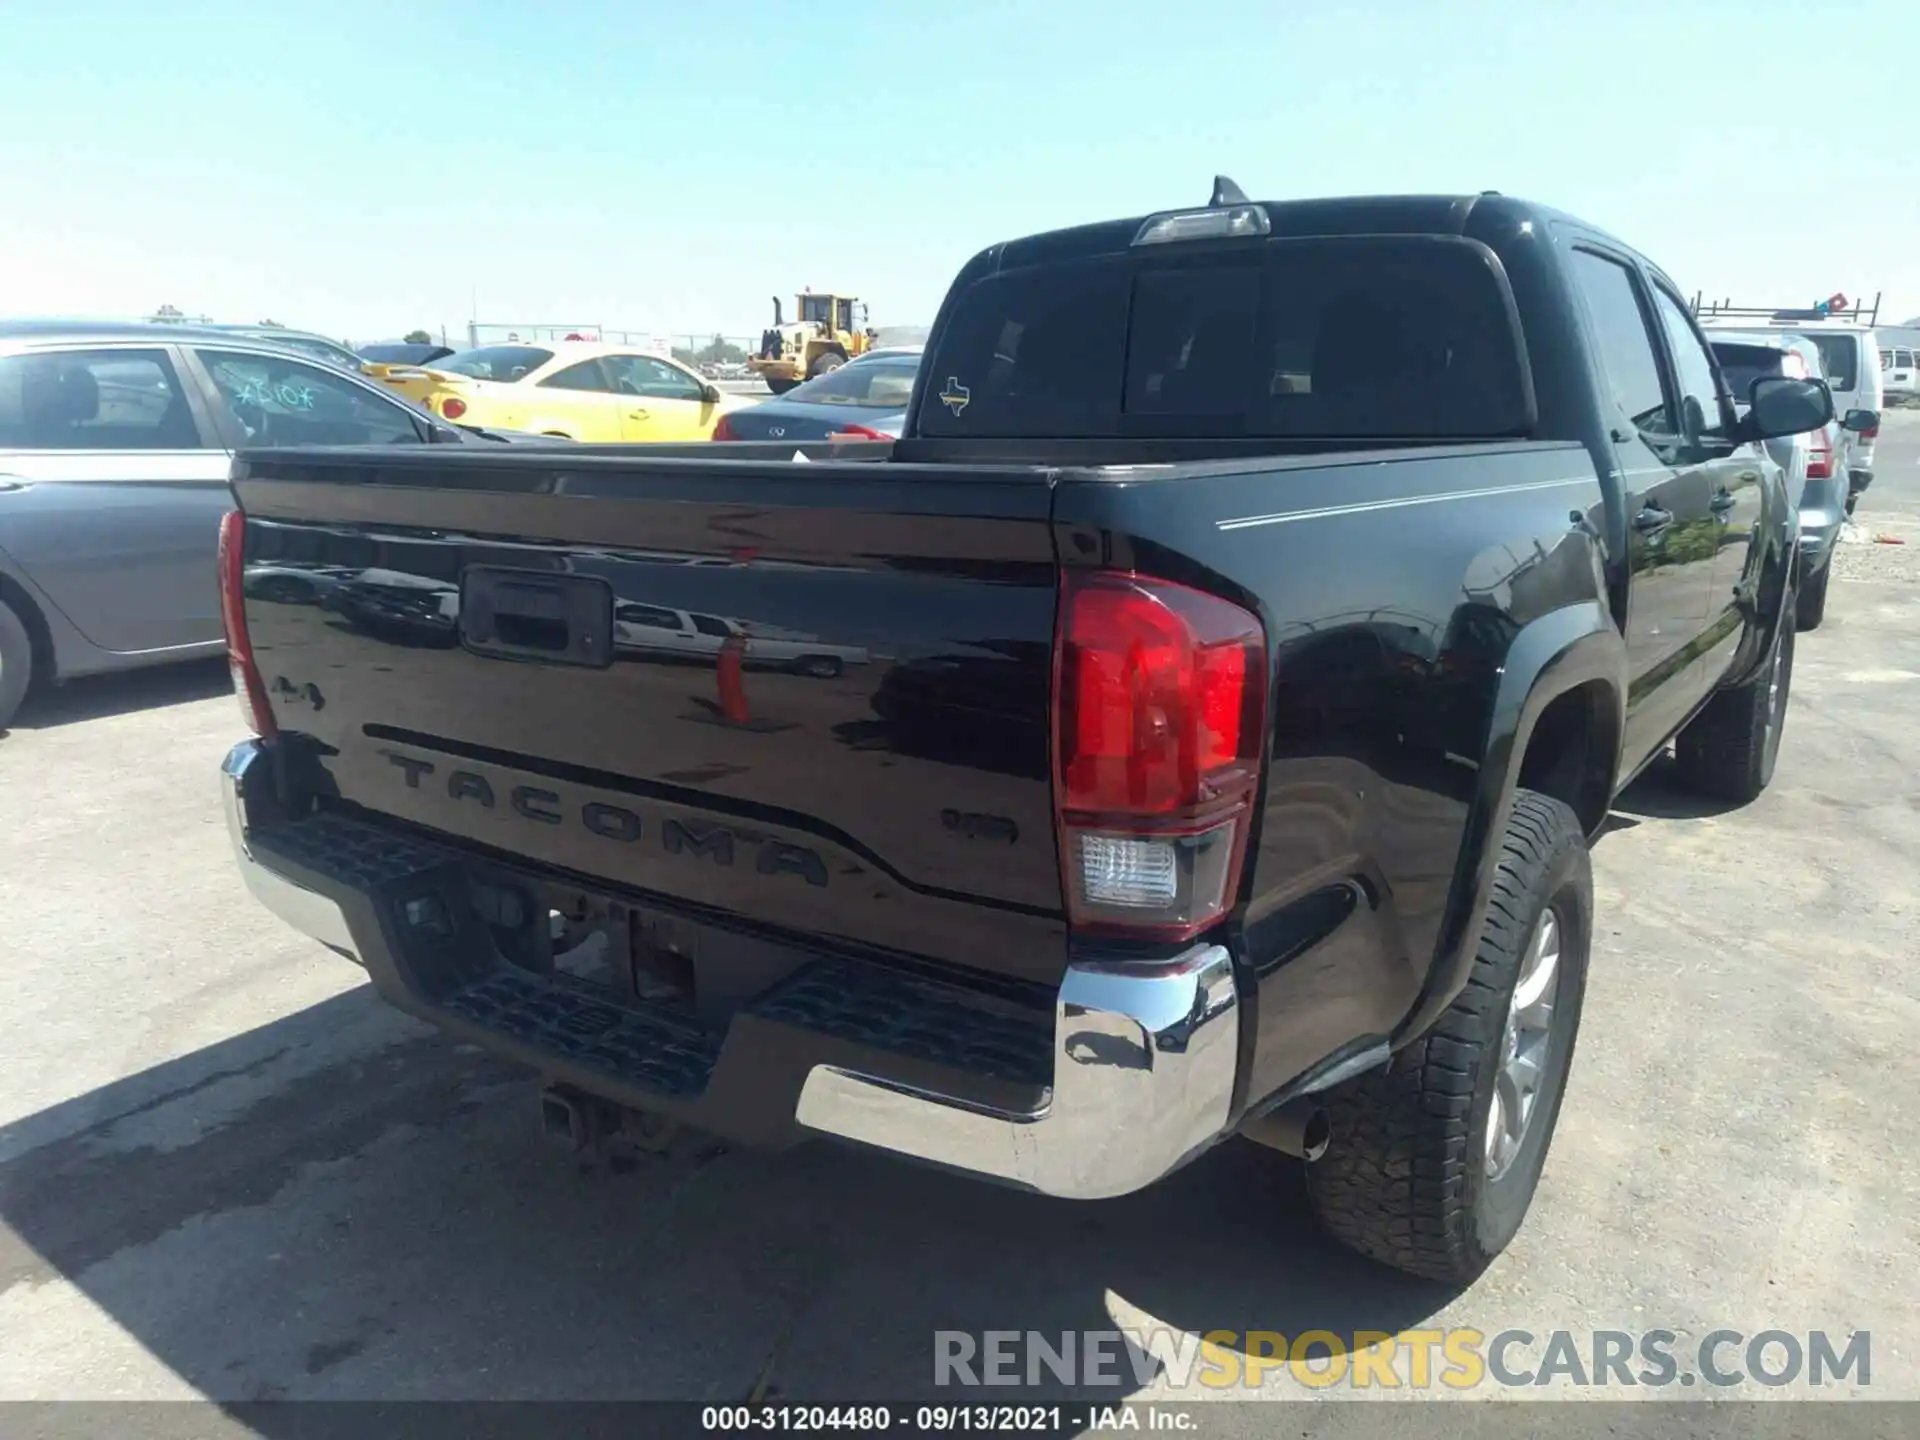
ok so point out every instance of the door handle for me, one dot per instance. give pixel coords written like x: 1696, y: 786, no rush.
x: 1722, y: 502
x: 636, y: 414
x: 1652, y: 519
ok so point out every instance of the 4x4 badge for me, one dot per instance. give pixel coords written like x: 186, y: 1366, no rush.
x: 955, y: 396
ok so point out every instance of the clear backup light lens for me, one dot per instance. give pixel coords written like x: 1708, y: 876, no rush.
x: 1168, y: 880
x: 1127, y: 871
x: 1223, y: 223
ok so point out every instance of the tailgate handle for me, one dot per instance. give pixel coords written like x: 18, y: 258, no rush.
x: 534, y: 615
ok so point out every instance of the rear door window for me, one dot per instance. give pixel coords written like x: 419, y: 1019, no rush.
x: 275, y: 402
x: 1349, y: 338
x: 94, y: 400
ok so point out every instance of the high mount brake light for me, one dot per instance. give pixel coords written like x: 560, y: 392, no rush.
x: 1213, y: 223
x: 1159, y: 720
x: 247, y: 683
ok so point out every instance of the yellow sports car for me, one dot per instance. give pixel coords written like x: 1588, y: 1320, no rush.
x: 582, y: 390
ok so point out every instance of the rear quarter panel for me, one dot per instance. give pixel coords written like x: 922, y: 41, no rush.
x: 1409, y: 602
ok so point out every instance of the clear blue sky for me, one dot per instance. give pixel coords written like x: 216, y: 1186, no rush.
x: 362, y: 169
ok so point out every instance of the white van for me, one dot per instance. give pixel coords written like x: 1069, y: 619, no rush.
x: 1850, y: 355
x: 1900, y: 375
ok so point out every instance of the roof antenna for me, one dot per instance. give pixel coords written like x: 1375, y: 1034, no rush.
x: 1225, y: 192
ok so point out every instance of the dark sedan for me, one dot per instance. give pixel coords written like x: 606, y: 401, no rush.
x: 867, y: 397
x: 400, y: 352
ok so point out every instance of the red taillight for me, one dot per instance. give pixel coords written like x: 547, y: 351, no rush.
x: 1872, y: 432
x: 1159, y: 716
x: 722, y: 430
x: 453, y: 407
x: 247, y: 683
x: 858, y: 432
x: 1819, y: 457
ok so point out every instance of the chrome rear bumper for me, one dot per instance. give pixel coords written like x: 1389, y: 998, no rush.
x: 1143, y: 1070
x: 1144, y: 1056
x: 245, y: 790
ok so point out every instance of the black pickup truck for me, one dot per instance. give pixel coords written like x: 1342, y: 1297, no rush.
x: 1231, y: 663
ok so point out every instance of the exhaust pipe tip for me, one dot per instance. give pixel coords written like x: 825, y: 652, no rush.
x: 560, y: 1119
x: 1315, y: 1136
x: 1299, y: 1128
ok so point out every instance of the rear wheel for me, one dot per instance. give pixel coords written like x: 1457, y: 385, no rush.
x: 1434, y: 1160
x: 1728, y: 750
x: 826, y: 364
x: 16, y: 662
x: 779, y: 384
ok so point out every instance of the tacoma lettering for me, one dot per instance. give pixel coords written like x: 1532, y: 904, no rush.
x: 715, y: 843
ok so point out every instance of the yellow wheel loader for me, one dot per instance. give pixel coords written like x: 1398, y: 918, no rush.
x: 825, y: 333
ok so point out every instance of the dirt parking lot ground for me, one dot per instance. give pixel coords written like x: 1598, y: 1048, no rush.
x: 226, y: 1170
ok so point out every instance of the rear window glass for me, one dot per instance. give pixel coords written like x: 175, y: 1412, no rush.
x: 505, y: 363
x: 1361, y: 338
x: 1840, y: 358
x: 881, y: 384
x: 1744, y: 364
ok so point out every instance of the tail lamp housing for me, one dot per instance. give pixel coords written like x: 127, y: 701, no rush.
x: 453, y: 407
x: 722, y: 430
x: 1819, y: 456
x: 247, y: 683
x: 1159, y: 714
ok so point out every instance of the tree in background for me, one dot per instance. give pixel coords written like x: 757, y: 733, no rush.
x: 417, y: 337
x: 719, y: 351
x: 273, y: 325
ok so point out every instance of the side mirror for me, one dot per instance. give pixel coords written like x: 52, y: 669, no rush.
x: 1860, y: 421
x: 710, y: 393
x: 1786, y: 405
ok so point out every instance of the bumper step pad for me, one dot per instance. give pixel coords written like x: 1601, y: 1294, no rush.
x: 649, y: 1048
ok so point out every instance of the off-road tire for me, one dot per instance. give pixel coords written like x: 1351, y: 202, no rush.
x: 1404, y: 1180
x: 825, y: 364
x: 779, y: 384
x: 16, y: 662
x: 1811, y: 608
x: 1729, y: 749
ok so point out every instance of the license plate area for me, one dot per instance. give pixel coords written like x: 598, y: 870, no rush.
x: 624, y: 953
x: 533, y: 615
